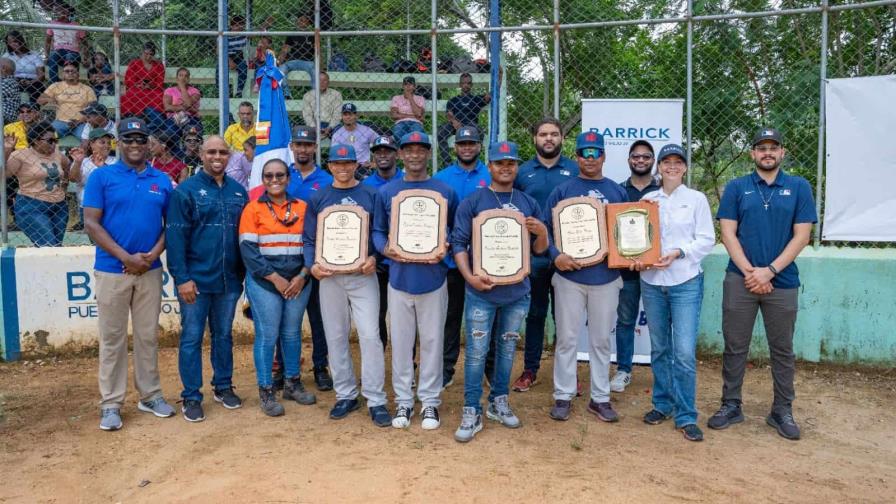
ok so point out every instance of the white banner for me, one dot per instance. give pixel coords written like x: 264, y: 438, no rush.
x: 861, y: 159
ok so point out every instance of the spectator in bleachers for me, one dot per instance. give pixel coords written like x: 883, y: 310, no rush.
x: 96, y: 117
x: 100, y: 75
x: 265, y: 43
x: 359, y: 136
x: 29, y: 113
x: 86, y: 160
x: 10, y: 94
x: 181, y: 102
x: 29, y: 64
x: 236, y: 58
x: 161, y: 148
x: 144, y: 82
x: 63, y: 46
x: 330, y: 106
x: 192, y: 147
x: 239, y: 166
x: 407, y: 109
x: 462, y: 110
x: 297, y: 52
x: 237, y: 133
x: 69, y: 97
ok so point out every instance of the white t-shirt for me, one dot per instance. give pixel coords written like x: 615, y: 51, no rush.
x: 87, y: 167
x: 108, y: 128
x: 26, y: 65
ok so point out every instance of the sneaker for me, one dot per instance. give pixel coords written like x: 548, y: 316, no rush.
x: 729, y: 413
x: 402, y: 418
x: 447, y: 381
x: 603, y: 410
x: 343, y: 407
x: 470, y: 424
x: 158, y: 407
x: 269, y: 404
x: 277, y: 377
x: 192, y: 410
x: 499, y: 411
x: 110, y: 419
x: 525, y: 381
x: 692, y: 432
x: 322, y: 379
x: 228, y: 398
x: 784, y: 423
x: 655, y: 417
x: 561, y: 410
x: 620, y: 380
x: 293, y: 389
x: 430, y: 418
x: 380, y: 416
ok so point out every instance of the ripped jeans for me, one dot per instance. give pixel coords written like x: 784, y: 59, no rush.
x: 480, y: 317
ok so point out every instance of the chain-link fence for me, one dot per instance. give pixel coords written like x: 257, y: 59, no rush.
x: 738, y: 65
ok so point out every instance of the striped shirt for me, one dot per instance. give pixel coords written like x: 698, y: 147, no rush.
x: 267, y: 244
x: 236, y: 45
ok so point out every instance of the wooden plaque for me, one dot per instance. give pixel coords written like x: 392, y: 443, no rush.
x: 342, y: 238
x: 418, y: 228
x: 580, y: 229
x: 501, y: 246
x: 634, y: 232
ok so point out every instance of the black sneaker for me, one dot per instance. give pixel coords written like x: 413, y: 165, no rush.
x: 322, y: 379
x: 692, y: 432
x: 402, y: 418
x: 228, y: 398
x: 655, y: 417
x: 343, y: 407
x: 380, y: 416
x: 192, y: 410
x: 430, y: 418
x: 730, y: 413
x: 785, y: 424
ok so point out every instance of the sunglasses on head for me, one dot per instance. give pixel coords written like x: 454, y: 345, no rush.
x: 591, y: 153
x: 138, y: 139
x: 272, y: 176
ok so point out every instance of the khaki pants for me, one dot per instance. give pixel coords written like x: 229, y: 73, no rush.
x: 117, y: 296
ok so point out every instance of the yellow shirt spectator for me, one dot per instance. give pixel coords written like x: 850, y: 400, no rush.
x: 17, y: 129
x: 236, y: 136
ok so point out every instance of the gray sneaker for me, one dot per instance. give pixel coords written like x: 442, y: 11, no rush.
x: 470, y: 424
x: 110, y: 419
x: 293, y: 389
x: 269, y: 404
x: 158, y: 407
x: 499, y: 411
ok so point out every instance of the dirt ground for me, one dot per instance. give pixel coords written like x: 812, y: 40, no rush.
x: 52, y: 451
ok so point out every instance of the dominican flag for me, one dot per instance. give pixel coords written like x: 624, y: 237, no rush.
x: 272, y: 124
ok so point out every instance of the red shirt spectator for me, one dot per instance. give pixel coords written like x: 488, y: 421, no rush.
x: 145, y: 83
x: 161, y: 147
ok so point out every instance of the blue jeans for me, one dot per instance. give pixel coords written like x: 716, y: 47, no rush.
x: 242, y: 71
x: 626, y: 320
x: 43, y: 223
x: 64, y: 128
x: 673, y: 314
x: 57, y: 58
x: 402, y: 128
x: 541, y: 291
x: 303, y: 65
x: 276, y: 320
x: 480, y: 316
x: 218, y: 311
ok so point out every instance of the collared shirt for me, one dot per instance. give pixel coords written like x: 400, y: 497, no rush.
x: 538, y: 181
x: 376, y: 180
x: 304, y: 188
x: 26, y: 64
x: 635, y: 194
x: 236, y: 136
x: 239, y: 168
x: 464, y: 183
x: 360, y: 195
x: 763, y: 232
x: 404, y: 106
x: 686, y: 224
x: 360, y: 138
x: 466, y: 107
x: 12, y: 98
x: 330, y: 108
x: 134, y: 207
x: 202, y: 234
x: 267, y: 245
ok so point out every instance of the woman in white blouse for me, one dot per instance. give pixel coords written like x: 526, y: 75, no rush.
x: 672, y: 292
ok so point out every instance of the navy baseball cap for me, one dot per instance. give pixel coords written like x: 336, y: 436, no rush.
x: 767, y: 134
x: 503, y: 150
x: 304, y: 134
x: 349, y: 107
x: 589, y: 140
x: 415, y: 137
x: 467, y: 134
x: 342, y: 152
x: 131, y: 126
x: 672, y: 150
x: 385, y: 142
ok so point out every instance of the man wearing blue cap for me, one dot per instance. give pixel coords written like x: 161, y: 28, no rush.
x: 418, y: 297
x: 353, y: 133
x: 493, y: 312
x: 349, y: 296
x: 466, y: 176
x: 584, y: 294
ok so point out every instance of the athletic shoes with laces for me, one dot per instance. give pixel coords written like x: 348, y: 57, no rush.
x: 228, y: 398
x: 110, y: 419
x: 158, y: 407
x: 525, y: 381
x: 620, y: 380
x: 470, y: 424
x: 499, y: 411
x: 430, y: 416
x: 402, y: 418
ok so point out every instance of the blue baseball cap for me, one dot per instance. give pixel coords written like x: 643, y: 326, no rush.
x: 349, y: 107
x: 589, y: 140
x: 672, y: 150
x: 342, y: 152
x: 415, y: 137
x: 131, y: 126
x: 467, y: 134
x: 385, y: 142
x: 503, y: 150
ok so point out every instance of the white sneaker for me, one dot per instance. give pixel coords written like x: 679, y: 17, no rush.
x: 430, y: 416
x: 402, y: 418
x: 620, y: 380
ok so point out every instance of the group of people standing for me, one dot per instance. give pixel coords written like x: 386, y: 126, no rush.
x: 218, y: 242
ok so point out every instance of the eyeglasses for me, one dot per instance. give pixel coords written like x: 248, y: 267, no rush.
x: 272, y: 176
x: 591, y: 153
x: 50, y: 140
x: 217, y: 152
x: 767, y: 148
x: 641, y: 157
x: 139, y: 140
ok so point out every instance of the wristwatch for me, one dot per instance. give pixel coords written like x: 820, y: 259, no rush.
x: 773, y: 269
x: 681, y: 251
x: 303, y: 274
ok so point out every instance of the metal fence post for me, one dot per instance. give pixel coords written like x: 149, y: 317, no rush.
x: 315, y: 86
x: 690, y: 79
x: 557, y: 59
x: 4, y: 224
x: 223, y: 69
x: 823, y: 73
x: 434, y: 69
x: 164, y: 37
x: 116, y: 59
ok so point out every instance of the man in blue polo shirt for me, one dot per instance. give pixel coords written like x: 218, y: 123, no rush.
x: 466, y: 176
x: 124, y: 214
x: 766, y: 219
x: 537, y: 178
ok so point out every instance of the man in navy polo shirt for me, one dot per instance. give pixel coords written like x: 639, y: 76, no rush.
x: 124, y: 214
x: 766, y: 219
x: 537, y: 178
x: 466, y: 176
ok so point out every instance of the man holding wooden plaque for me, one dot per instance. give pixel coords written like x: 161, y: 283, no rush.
x: 410, y: 227
x: 338, y: 245
x: 585, y: 289
x: 496, y: 226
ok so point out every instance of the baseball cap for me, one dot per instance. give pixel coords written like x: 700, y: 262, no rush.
x: 503, y: 150
x: 131, y: 126
x: 589, y: 140
x: 467, y: 134
x: 304, y: 134
x: 416, y: 137
x: 99, y: 133
x: 385, y: 142
x: 640, y: 143
x: 342, y: 152
x: 409, y: 80
x: 767, y: 134
x: 95, y: 108
x: 672, y: 150
x: 349, y: 107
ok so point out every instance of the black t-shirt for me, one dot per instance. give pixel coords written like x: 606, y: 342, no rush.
x: 466, y: 108
x: 300, y: 48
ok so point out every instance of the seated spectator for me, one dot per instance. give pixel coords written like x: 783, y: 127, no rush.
x: 100, y: 75
x: 181, y: 102
x: 192, y: 148
x: 161, y: 148
x: 144, y: 82
x: 69, y: 97
x: 297, y: 52
x: 330, y: 106
x: 29, y: 64
x: 239, y: 166
x: 407, y: 109
x: 236, y: 134
x: 96, y: 117
x: 462, y: 110
x: 63, y: 46
x: 29, y: 114
x: 10, y: 94
x: 86, y: 160
x: 353, y: 133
